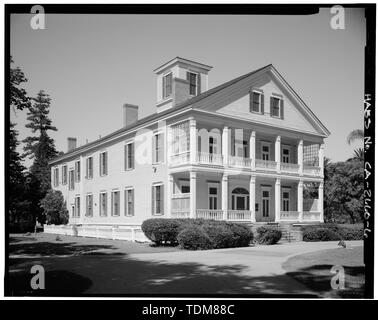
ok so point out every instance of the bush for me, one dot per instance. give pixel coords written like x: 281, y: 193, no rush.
x: 54, y: 208
x: 221, y: 234
x: 162, y: 230
x: 194, y: 238
x: 332, y: 232
x: 268, y: 235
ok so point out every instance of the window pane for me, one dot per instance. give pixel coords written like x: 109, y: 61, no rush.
x: 256, y: 102
x: 276, y: 107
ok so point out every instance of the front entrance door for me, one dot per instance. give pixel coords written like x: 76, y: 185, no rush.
x: 265, y: 204
x: 240, y: 199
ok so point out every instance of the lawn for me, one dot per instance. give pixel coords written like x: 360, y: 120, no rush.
x: 314, y: 271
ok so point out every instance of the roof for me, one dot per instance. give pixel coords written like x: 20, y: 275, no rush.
x: 179, y: 59
x: 183, y: 105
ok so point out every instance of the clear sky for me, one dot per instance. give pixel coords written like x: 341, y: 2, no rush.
x: 92, y: 64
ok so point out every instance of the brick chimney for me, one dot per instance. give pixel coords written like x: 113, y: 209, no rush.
x: 71, y: 144
x: 130, y: 114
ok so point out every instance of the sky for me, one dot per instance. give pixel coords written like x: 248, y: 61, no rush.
x: 91, y: 65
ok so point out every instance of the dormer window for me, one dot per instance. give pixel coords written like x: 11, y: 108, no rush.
x: 167, y: 85
x: 276, y: 107
x: 193, y: 83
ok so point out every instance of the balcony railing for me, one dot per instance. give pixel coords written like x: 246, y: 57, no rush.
x: 266, y: 164
x: 210, y: 158
x: 181, y: 158
x: 289, y: 215
x: 289, y: 167
x: 209, y: 214
x: 238, y: 215
x: 311, y: 216
x: 239, y: 162
x: 311, y: 170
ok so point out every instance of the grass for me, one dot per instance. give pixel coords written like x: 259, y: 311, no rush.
x: 314, y: 271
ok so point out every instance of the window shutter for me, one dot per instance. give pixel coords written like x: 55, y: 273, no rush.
x: 132, y: 202
x: 271, y: 106
x: 153, y: 148
x: 100, y: 166
x: 153, y: 200
x: 262, y: 103
x: 162, y: 199
x: 125, y: 157
x: 132, y: 155
x: 199, y: 84
x: 106, y: 163
x: 282, y: 109
x: 188, y: 76
x: 250, y: 101
x: 161, y: 149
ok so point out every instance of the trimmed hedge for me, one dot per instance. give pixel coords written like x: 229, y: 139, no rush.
x: 221, y: 234
x: 332, y: 232
x: 268, y: 235
x: 194, y: 238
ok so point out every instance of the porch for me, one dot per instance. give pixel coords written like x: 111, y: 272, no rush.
x: 243, y: 198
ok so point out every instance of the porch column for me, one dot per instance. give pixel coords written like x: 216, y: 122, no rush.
x: 169, y: 144
x: 300, y: 157
x: 225, y: 151
x: 300, y: 200
x: 193, y: 141
x: 277, y: 196
x: 321, y: 201
x: 277, y: 153
x: 169, y: 195
x: 224, y: 195
x: 321, y: 159
x: 193, y: 194
x: 252, y: 198
x: 252, y: 150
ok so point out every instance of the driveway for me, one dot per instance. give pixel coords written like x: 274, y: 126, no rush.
x: 125, y: 270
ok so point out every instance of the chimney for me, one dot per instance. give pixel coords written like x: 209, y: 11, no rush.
x: 130, y: 114
x: 71, y: 144
x: 180, y: 90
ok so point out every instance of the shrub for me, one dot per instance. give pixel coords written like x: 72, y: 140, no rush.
x: 333, y: 232
x: 268, y: 235
x: 54, y: 208
x: 194, y: 238
x: 220, y: 235
x: 242, y: 235
x: 162, y: 230
x: 320, y: 234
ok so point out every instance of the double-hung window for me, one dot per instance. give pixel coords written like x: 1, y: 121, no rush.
x: 77, y: 171
x: 77, y: 206
x: 64, y: 174
x: 89, y: 205
x: 276, y: 107
x: 265, y: 151
x: 129, y: 202
x: 193, y: 83
x: 129, y: 156
x: 285, y: 155
x: 158, y: 148
x: 56, y: 177
x: 71, y: 179
x: 256, y: 102
x: 167, y: 85
x: 103, y: 204
x: 103, y: 163
x: 115, y: 203
x: 158, y: 199
x: 89, y: 171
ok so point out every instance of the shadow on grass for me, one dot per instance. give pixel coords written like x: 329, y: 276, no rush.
x: 318, y: 278
x: 109, y: 275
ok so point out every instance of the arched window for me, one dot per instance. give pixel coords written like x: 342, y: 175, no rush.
x: 240, y: 199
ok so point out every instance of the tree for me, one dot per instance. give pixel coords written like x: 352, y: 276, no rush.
x: 18, y: 96
x: 16, y: 196
x: 356, y: 135
x: 41, y: 148
x: 343, y: 191
x: 54, y: 207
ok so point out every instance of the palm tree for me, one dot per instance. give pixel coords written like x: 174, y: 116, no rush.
x: 356, y: 134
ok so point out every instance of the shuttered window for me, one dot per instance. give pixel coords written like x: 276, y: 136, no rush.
x: 193, y: 83
x: 103, y: 204
x: 158, y: 148
x: 89, y: 165
x: 64, y: 174
x: 77, y: 206
x: 167, y: 85
x: 129, y: 156
x: 77, y: 171
x: 256, y: 102
x: 277, y: 107
x: 71, y: 181
x: 129, y: 202
x: 103, y: 163
x: 115, y: 203
x: 56, y: 177
x: 158, y: 199
x: 89, y: 205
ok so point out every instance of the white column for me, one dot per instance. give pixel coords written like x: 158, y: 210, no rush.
x: 277, y: 197
x: 321, y: 159
x: 169, y: 195
x: 300, y: 200
x: 252, y: 198
x: 300, y: 157
x: 193, y: 194
x: 169, y: 144
x: 225, y: 195
x: 193, y: 141
x: 225, y: 150
x: 321, y: 200
x: 252, y: 149
x: 277, y: 153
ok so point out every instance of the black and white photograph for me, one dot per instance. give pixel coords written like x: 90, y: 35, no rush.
x: 189, y: 151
